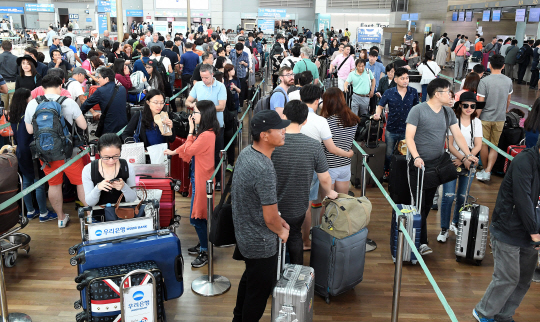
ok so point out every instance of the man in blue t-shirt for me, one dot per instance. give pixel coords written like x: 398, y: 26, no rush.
x: 188, y: 62
x: 278, y: 100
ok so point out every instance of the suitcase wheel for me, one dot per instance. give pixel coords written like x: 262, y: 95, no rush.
x: 10, y: 259
x: 77, y: 305
x: 72, y: 251
x: 478, y: 262
x: 185, y: 194
x: 414, y: 262
x: 458, y: 259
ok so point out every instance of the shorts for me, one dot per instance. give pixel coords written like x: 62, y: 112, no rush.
x: 492, y: 131
x: 73, y: 172
x: 314, y: 190
x: 342, y: 173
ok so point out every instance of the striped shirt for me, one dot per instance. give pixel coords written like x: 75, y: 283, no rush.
x: 343, y: 138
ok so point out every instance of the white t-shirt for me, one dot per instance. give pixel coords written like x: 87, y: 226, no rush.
x: 295, y: 95
x: 426, y: 72
x: 75, y: 89
x: 287, y: 61
x: 429, y: 41
x: 316, y: 127
x: 166, y: 61
x: 466, y: 131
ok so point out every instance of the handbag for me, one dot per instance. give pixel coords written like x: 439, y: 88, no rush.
x: 133, y: 153
x: 441, y: 170
x: 222, y: 227
x: 7, y: 131
x: 118, y: 212
x: 101, y: 124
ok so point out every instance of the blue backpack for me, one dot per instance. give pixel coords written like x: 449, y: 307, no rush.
x: 52, y: 138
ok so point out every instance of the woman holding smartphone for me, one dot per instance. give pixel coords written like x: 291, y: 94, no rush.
x: 199, y: 148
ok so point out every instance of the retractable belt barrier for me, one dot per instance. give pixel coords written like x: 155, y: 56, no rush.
x: 430, y: 278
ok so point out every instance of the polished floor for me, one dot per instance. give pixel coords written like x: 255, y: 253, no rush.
x: 41, y: 283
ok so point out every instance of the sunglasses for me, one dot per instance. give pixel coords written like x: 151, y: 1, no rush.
x: 472, y: 106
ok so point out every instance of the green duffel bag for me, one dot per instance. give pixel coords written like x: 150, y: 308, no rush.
x: 346, y: 215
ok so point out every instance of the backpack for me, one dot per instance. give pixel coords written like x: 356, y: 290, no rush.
x: 346, y: 215
x: 52, y: 138
x: 520, y: 56
x: 512, y: 121
x: 136, y: 80
x: 163, y: 72
x: 264, y: 103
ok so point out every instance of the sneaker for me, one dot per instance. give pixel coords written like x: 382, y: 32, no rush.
x: 453, y: 228
x: 218, y: 186
x: 435, y: 206
x: 486, y: 177
x: 230, y: 168
x: 480, y: 175
x: 201, y: 260
x: 194, y: 250
x: 63, y: 223
x: 47, y: 217
x: 31, y: 215
x: 443, y: 235
x: 480, y: 318
x: 425, y: 250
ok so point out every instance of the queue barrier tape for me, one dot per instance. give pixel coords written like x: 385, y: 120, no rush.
x: 501, y: 152
x: 46, y: 178
x: 430, y: 278
x: 237, y: 131
x: 511, y: 102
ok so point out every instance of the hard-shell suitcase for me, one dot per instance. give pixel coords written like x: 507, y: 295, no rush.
x: 9, y: 187
x: 472, y: 236
x: 398, y: 184
x: 292, y: 298
x: 513, y: 150
x: 180, y: 168
x: 167, y: 210
x: 375, y: 161
x: 414, y: 225
x: 338, y: 263
x: 102, y: 290
x: 162, y: 247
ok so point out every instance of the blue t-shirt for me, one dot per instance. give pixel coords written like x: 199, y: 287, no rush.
x: 278, y: 99
x: 154, y: 136
x: 73, y: 48
x: 85, y: 49
x: 189, y: 60
x: 398, y: 108
x: 376, y: 69
x: 215, y: 93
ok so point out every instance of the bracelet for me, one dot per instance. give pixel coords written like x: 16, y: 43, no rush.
x: 470, y: 155
x: 463, y: 159
x: 416, y: 158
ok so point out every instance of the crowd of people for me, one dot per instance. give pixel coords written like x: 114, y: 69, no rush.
x: 302, y: 145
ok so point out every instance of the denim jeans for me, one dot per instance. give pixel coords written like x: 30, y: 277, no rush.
x: 199, y: 224
x: 424, y: 92
x: 391, y: 140
x: 41, y: 196
x: 449, y: 194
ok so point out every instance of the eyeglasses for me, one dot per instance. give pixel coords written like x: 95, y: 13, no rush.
x: 157, y: 103
x: 116, y: 157
x: 472, y: 106
x: 447, y: 92
x: 287, y: 75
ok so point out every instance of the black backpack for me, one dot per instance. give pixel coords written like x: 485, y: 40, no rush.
x: 521, y: 57
x: 163, y: 71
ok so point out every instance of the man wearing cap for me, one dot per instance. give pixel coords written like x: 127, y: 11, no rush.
x: 9, y: 70
x: 74, y: 86
x: 55, y: 45
x: 306, y: 64
x: 257, y: 222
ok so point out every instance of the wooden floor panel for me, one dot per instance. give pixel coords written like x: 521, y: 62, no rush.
x: 41, y: 284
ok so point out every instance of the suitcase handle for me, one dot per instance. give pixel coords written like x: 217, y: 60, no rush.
x: 282, y: 250
x: 419, y: 191
x: 472, y: 171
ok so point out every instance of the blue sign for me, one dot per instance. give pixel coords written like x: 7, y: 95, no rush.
x: 461, y: 16
x: 88, y: 19
x: 404, y: 16
x: 373, y: 35
x: 454, y: 16
x: 102, y: 23
x: 497, y: 15
x: 103, y: 6
x: 468, y: 16
x: 534, y: 14
x: 267, y: 26
x: 272, y: 13
x: 15, y: 10
x: 134, y: 13
x: 413, y: 16
x: 486, y: 14
x: 39, y: 7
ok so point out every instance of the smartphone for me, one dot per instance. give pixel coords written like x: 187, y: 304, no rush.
x: 114, y: 180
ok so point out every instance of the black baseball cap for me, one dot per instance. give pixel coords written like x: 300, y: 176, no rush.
x: 267, y: 120
x: 467, y: 97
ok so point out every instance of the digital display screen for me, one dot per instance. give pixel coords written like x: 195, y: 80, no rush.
x: 454, y: 16
x: 496, y: 15
x: 520, y: 15
x: 468, y: 16
x: 461, y: 16
x: 486, y: 15
x: 534, y: 15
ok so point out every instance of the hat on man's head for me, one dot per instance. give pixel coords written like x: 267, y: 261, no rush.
x: 241, y: 38
x: 267, y: 120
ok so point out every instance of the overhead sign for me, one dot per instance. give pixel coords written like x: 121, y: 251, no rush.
x: 468, y: 16
x: 73, y: 16
x: 102, y: 23
x: 103, y: 6
x: 113, y: 8
x: 534, y: 15
x: 520, y: 15
x: 14, y: 10
x: 461, y: 16
x: 272, y: 13
x: 88, y: 19
x: 454, y: 16
x: 486, y: 15
x: 413, y: 16
x: 373, y: 35
x: 496, y: 15
x: 134, y: 13
x: 39, y: 7
x: 404, y: 17
x: 267, y: 26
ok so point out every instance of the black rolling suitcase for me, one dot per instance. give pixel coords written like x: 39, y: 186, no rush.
x: 512, y: 134
x: 398, y: 184
x: 376, y: 149
x: 103, y: 292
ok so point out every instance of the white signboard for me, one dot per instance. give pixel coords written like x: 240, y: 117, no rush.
x: 179, y: 26
x: 139, y: 303
x: 120, y: 228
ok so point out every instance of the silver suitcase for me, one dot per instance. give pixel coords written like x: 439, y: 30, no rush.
x: 292, y: 299
x: 472, y: 236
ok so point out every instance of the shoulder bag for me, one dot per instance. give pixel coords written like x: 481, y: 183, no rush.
x: 119, y: 212
x: 222, y: 227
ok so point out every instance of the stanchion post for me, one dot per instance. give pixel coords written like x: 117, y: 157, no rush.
x: 364, y: 174
x: 210, y: 285
x: 399, y: 267
x: 239, y: 137
x: 223, y: 155
x: 250, y: 114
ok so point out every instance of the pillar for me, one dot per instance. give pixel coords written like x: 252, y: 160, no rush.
x: 520, y: 32
x: 120, y: 20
